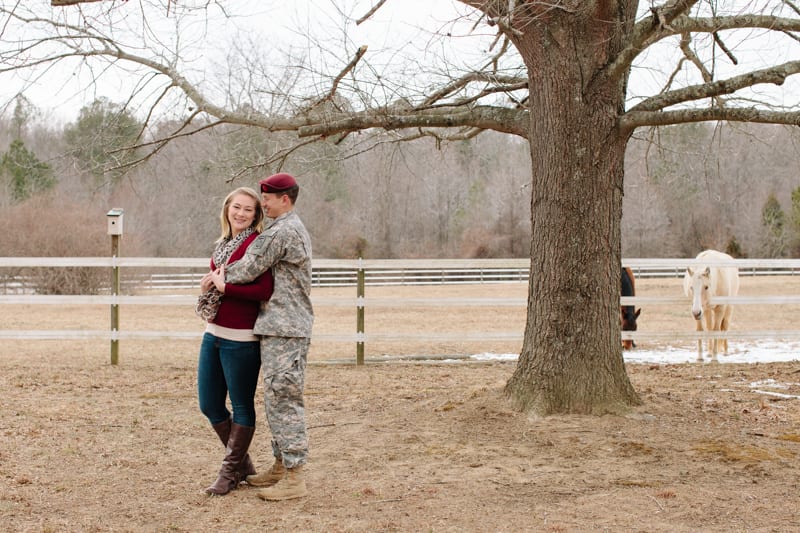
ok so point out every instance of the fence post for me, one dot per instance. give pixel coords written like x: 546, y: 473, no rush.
x: 360, y: 313
x: 115, y: 230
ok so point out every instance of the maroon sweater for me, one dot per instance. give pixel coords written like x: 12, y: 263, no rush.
x: 240, y: 305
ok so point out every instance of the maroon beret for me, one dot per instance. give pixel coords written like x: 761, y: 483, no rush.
x: 278, y: 183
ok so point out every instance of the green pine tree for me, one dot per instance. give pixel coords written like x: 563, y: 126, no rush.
x: 773, y: 219
x: 102, y: 139
x: 795, y: 222
x: 26, y: 174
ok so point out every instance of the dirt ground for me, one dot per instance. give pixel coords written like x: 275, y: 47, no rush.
x: 429, y: 447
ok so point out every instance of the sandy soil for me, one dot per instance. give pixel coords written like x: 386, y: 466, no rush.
x: 86, y: 446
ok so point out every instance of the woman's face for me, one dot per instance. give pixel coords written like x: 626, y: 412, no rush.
x: 241, y: 213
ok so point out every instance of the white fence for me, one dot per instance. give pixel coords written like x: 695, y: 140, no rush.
x: 377, y: 272
x: 185, y: 273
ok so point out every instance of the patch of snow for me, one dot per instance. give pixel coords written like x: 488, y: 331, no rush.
x: 777, y: 394
x: 752, y: 352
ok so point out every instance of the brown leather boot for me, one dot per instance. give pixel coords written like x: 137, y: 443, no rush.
x: 269, y: 477
x: 293, y: 485
x: 229, y: 477
x: 223, y: 430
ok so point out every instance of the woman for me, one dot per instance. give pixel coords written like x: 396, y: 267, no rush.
x: 229, y: 359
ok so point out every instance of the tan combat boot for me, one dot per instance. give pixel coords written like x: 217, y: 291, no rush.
x: 268, y: 478
x: 293, y: 485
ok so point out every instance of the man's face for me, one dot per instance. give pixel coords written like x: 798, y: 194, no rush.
x: 274, y: 204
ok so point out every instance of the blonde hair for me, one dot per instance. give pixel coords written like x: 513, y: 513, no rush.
x: 258, y: 220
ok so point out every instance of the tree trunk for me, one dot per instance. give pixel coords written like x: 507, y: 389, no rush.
x: 571, y: 360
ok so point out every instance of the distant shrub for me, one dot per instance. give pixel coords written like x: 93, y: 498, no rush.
x: 350, y: 247
x: 44, y: 226
x: 734, y: 249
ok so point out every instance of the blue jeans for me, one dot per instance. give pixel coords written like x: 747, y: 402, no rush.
x: 228, y: 367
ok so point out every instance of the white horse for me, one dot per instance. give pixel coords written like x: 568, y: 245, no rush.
x: 704, y: 283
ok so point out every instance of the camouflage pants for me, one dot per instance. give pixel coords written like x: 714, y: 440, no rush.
x: 283, y: 397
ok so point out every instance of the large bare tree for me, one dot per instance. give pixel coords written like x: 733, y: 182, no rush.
x: 555, y: 73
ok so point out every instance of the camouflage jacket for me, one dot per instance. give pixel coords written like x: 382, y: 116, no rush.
x: 284, y: 246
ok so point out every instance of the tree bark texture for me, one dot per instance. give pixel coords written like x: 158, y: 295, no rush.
x: 571, y: 360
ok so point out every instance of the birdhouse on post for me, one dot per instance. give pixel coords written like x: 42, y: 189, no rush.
x: 115, y: 221
x: 114, y: 218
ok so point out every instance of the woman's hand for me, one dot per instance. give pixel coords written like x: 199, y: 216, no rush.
x: 206, y: 283
x: 218, y: 278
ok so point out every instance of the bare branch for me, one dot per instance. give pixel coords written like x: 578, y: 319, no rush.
x: 497, y: 39
x: 646, y: 32
x: 686, y: 24
x: 637, y: 119
x: 505, y: 120
x: 335, y: 85
x: 483, y: 117
x: 503, y: 50
x: 478, y: 21
x: 512, y: 17
x: 738, y: 22
x: 158, y: 145
x: 775, y: 75
x: 178, y: 133
x: 511, y: 83
x: 490, y: 90
x: 718, y: 40
x: 506, y: 24
x: 671, y: 10
x: 282, y: 155
x: 371, y: 12
x: 652, y: 30
x: 689, y: 54
x: 464, y: 134
x: 150, y: 112
x: 58, y: 3
x: 451, y: 105
x: 439, y: 136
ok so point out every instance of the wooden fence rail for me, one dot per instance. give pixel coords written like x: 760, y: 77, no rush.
x: 376, y: 272
x: 186, y: 272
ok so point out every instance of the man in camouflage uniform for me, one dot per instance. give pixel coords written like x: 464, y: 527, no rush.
x: 284, y: 328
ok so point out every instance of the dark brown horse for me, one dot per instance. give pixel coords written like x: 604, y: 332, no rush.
x: 628, y: 314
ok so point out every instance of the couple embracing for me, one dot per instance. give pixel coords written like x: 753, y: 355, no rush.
x: 257, y: 305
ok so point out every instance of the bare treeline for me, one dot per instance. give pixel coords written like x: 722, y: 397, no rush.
x: 697, y: 186
x: 687, y: 188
